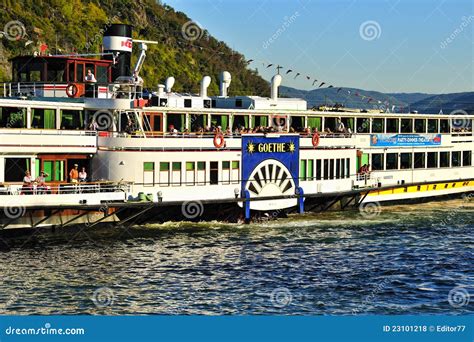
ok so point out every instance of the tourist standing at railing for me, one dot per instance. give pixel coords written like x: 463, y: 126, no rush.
x: 90, y: 77
x: 74, y: 174
x: 83, y: 175
x: 27, y: 187
x: 41, y: 187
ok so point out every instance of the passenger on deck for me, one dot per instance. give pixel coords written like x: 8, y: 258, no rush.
x: 27, y: 187
x: 74, y: 174
x: 83, y: 175
x: 41, y: 187
x: 90, y: 78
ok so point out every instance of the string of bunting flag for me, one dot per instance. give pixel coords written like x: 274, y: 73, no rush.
x: 385, y: 105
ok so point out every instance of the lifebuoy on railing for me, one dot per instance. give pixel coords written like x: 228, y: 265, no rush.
x: 219, y: 140
x: 71, y: 90
x: 315, y: 139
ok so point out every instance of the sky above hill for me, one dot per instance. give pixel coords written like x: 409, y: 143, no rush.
x: 385, y: 45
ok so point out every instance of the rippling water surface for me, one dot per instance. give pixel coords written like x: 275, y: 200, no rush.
x: 406, y: 260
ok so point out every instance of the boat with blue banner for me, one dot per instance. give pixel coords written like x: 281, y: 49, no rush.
x: 105, y: 149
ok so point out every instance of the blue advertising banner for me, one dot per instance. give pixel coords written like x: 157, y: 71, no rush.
x: 396, y: 140
x: 237, y: 328
x: 270, y: 159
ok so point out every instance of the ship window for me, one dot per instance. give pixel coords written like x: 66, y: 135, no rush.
x: 303, y: 169
x: 326, y: 169
x: 148, y: 166
x: 201, y: 173
x: 392, y: 125
x: 407, y: 126
x: 432, y: 126
x: 419, y: 160
x: 149, y: 173
x: 331, y: 168
x: 377, y: 125
x: 377, y: 161
x: 405, y: 161
x: 187, y: 103
x: 297, y: 123
x: 420, y: 126
x: 238, y: 103
x: 348, y: 167
x: 214, y: 173
x: 392, y: 161
x: 190, y: 176
x: 235, y: 171
x: 343, y: 175
x: 13, y: 117
x: 164, y: 173
x: 197, y: 122
x: 444, y: 159
x: 310, y: 169
x: 56, y: 71
x: 79, y: 72
x: 318, y: 169
x: 220, y: 120
x: 338, y: 168
x: 176, y: 121
x: 15, y: 169
x: 43, y: 118
x: 72, y: 119
x: 456, y: 158
x: 226, y: 172
x: 176, y: 174
x: 207, y: 103
x: 240, y: 121
x: 101, y: 75
x: 259, y: 120
x: 444, y: 126
x: 467, y: 158
x: 363, y: 125
x: 432, y: 159
x: 315, y: 122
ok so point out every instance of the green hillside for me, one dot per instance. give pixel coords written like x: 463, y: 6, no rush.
x: 75, y: 26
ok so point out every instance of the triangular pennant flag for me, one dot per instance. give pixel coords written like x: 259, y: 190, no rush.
x: 314, y: 82
x: 289, y: 71
x: 297, y: 75
x: 269, y: 65
x: 322, y: 83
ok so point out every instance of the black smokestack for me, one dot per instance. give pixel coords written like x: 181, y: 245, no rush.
x: 118, y: 38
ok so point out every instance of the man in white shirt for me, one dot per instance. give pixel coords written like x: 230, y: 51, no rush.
x: 90, y: 77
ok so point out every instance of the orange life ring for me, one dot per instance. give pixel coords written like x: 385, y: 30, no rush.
x: 219, y: 140
x: 315, y: 139
x: 71, y: 90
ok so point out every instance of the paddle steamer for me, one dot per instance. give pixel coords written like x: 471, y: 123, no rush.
x: 153, y: 154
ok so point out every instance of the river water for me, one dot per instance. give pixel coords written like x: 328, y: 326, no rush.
x: 415, y: 259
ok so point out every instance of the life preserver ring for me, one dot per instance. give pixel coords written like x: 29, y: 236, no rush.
x: 219, y: 140
x: 315, y: 139
x: 71, y: 90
